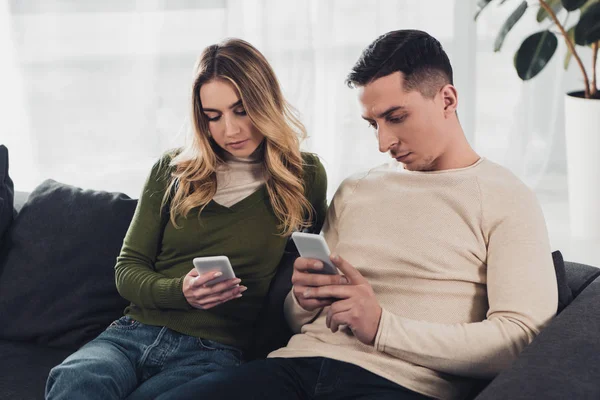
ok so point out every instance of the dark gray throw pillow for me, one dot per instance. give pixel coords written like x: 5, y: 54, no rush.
x: 6, y: 193
x: 57, y: 278
x: 565, y: 295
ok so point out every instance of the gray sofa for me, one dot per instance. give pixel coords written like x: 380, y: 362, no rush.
x: 563, y: 362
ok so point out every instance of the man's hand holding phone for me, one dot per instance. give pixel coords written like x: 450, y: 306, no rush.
x: 353, y: 304
x: 306, y: 276
x: 317, y: 284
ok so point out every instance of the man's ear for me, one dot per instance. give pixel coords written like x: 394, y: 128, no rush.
x: 450, y: 99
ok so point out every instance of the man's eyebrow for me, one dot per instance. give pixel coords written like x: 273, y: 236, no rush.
x: 386, y: 112
x: 234, y: 105
x: 390, y: 110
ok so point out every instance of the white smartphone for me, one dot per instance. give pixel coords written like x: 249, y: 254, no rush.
x: 213, y: 264
x: 310, y: 245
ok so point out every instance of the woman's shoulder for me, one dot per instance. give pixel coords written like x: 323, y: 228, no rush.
x: 311, y: 160
x: 312, y: 164
x: 163, y: 167
x: 315, y: 175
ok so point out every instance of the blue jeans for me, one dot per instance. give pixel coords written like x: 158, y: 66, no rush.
x: 311, y: 378
x: 136, y: 361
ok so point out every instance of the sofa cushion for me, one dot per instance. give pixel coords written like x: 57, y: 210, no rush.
x: 57, y: 281
x: 562, y: 362
x: 25, y: 367
x: 272, y: 331
x: 6, y: 193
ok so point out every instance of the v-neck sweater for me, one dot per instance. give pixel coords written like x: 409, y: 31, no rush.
x: 156, y: 256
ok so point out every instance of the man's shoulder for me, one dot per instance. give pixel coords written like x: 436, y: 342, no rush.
x: 493, y: 177
x: 503, y: 193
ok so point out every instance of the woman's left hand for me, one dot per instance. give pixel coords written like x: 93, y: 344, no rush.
x: 199, y: 294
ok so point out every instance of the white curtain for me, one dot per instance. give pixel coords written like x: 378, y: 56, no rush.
x: 93, y: 92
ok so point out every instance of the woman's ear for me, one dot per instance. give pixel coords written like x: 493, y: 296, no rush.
x: 450, y: 98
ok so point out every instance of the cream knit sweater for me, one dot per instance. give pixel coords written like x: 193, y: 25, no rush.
x: 460, y: 263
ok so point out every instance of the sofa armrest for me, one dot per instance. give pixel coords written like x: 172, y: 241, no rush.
x: 579, y: 276
x: 562, y: 362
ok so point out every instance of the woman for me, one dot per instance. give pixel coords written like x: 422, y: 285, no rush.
x: 239, y: 189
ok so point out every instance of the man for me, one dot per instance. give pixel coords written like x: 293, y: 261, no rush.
x: 447, y: 270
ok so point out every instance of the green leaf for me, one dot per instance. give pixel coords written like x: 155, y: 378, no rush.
x: 481, y: 4
x: 569, y: 55
x: 587, y: 5
x: 572, y: 5
x: 534, y: 54
x: 587, y: 30
x: 509, y: 23
x: 555, y: 5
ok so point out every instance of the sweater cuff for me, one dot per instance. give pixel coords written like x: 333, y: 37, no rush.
x: 382, y: 331
x: 169, y: 294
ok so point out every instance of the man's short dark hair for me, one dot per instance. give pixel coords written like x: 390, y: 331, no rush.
x: 418, y: 55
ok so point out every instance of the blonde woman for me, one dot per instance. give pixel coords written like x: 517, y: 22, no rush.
x: 239, y: 189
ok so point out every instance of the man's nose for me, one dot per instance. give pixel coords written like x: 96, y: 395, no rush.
x: 386, y: 139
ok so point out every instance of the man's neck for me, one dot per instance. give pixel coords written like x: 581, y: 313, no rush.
x: 459, y: 153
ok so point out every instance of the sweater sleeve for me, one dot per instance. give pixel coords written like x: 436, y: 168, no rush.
x: 136, y: 277
x: 522, y: 298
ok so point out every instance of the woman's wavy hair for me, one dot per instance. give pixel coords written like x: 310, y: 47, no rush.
x: 193, y: 181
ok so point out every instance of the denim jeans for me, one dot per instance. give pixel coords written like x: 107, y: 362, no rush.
x: 314, y: 378
x: 136, y: 361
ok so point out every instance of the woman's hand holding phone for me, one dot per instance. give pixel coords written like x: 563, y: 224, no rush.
x: 200, y: 294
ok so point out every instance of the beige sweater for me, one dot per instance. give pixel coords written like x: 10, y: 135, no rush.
x: 460, y: 263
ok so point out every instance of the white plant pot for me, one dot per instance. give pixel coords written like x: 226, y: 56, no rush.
x: 582, y: 133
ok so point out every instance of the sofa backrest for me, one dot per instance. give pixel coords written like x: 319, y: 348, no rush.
x: 579, y: 276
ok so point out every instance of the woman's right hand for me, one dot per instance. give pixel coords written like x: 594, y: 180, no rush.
x: 200, y: 295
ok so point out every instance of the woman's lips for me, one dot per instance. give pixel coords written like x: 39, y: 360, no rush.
x: 238, y: 145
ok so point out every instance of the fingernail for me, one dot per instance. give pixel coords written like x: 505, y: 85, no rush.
x: 243, y: 289
x: 344, y: 280
x: 238, y: 280
x: 217, y: 274
x: 238, y: 296
x: 318, y: 264
x: 306, y: 293
x: 334, y: 257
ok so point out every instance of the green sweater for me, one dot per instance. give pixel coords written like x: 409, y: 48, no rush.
x: 156, y: 256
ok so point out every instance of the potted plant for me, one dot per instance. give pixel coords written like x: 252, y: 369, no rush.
x: 582, y: 108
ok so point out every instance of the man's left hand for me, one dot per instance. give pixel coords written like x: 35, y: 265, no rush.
x: 357, y: 307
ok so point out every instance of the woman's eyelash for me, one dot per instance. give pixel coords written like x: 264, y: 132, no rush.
x: 372, y: 124
x: 238, y: 112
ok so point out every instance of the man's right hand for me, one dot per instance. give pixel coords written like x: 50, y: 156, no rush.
x: 304, y: 277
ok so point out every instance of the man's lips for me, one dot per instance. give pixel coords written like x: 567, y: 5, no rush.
x: 402, y: 156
